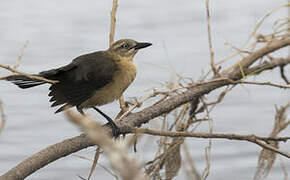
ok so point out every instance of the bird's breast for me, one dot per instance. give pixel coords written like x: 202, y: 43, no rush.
x: 122, y: 79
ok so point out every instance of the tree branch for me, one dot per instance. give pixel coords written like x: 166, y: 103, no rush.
x: 25, y: 74
x: 113, y: 22
x: 251, y: 138
x: 46, y: 156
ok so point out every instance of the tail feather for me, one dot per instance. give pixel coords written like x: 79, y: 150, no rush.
x: 24, y: 81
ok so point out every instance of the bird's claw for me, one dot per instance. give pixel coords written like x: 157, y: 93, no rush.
x: 116, y: 131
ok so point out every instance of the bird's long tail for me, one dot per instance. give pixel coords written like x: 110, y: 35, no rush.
x: 24, y: 81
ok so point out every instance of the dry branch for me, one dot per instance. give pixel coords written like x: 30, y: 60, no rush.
x: 111, y: 41
x: 20, y: 54
x: 47, y: 156
x: 212, y: 64
x: 25, y: 74
x: 261, y: 83
x: 113, y: 22
x: 96, y: 158
x: 247, y: 61
x: 210, y: 135
x: 251, y: 138
x: 128, y: 123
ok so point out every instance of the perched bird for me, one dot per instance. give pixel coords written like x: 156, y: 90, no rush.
x: 90, y: 80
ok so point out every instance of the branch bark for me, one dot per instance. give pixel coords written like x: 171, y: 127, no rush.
x: 251, y: 138
x: 46, y: 156
x: 128, y: 123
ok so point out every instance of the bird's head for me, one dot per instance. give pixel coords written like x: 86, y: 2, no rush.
x: 127, y: 48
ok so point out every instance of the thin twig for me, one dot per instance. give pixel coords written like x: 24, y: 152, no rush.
x: 212, y: 64
x: 102, y: 166
x: 261, y: 83
x: 111, y: 41
x: 113, y: 21
x: 210, y: 135
x: 20, y: 54
x: 254, y: 32
x: 251, y: 138
x: 96, y: 158
x: 206, y: 171
x: 25, y: 74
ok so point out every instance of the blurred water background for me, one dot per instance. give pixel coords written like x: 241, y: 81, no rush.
x: 58, y: 31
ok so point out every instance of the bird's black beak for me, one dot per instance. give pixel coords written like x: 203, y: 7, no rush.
x: 141, y: 45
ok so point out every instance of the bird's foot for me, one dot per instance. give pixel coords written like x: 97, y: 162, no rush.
x: 116, y: 131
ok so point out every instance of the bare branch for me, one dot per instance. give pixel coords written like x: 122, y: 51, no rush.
x: 96, y: 158
x: 111, y: 41
x: 102, y: 166
x: 212, y: 64
x: 210, y: 135
x: 113, y: 21
x: 47, y: 156
x: 247, y: 61
x: 275, y: 62
x: 261, y: 83
x: 123, y: 107
x: 20, y: 54
x: 251, y: 138
x: 25, y: 74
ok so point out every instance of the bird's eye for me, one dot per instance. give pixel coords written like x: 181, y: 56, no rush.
x: 125, y: 46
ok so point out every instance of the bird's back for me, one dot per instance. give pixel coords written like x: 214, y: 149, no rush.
x: 79, y: 80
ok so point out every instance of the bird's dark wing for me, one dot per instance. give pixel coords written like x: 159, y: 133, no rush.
x: 80, y: 79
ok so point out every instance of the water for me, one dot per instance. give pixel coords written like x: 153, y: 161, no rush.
x: 58, y: 31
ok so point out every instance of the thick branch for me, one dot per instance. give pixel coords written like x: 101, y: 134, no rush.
x: 247, y: 61
x: 67, y: 147
x: 47, y: 156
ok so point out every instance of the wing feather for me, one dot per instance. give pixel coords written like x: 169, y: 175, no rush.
x: 79, y: 80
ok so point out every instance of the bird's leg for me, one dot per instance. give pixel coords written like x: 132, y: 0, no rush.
x: 111, y: 123
x: 80, y: 111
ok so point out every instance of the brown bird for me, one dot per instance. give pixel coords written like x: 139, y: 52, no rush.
x: 90, y: 80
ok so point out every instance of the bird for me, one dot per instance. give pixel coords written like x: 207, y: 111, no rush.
x: 90, y: 80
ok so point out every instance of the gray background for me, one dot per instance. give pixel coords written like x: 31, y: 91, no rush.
x: 58, y: 31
